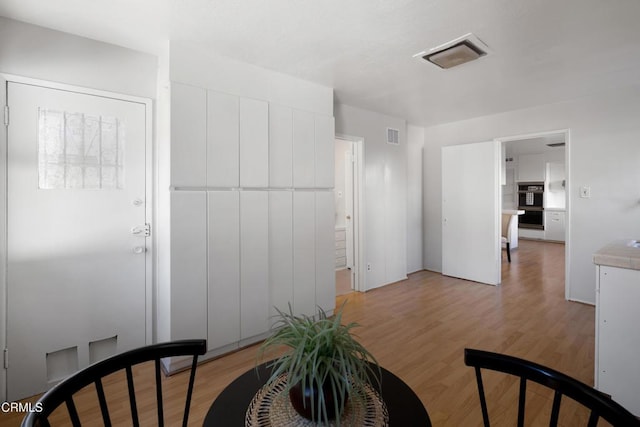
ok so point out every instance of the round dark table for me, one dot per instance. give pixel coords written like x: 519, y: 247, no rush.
x: 230, y: 407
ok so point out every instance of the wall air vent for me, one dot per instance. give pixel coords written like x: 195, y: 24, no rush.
x: 393, y: 136
x: 455, y: 52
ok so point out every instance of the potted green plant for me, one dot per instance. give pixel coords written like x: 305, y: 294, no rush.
x: 324, y: 364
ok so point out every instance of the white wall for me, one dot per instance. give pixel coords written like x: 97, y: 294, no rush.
x: 342, y: 147
x: 415, y: 145
x: 603, y: 152
x: 384, y: 222
x: 230, y: 76
x: 162, y: 163
x: 31, y: 51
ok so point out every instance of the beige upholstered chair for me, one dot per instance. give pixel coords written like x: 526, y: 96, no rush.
x: 506, y: 233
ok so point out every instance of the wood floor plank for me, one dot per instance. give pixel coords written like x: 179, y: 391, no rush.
x: 419, y: 327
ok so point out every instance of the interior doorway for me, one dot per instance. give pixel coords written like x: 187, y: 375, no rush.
x: 347, y: 216
x: 533, y: 161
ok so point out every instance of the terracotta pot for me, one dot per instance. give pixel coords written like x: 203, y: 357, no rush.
x: 301, y: 401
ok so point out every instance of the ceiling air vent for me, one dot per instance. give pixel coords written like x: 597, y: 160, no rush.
x: 455, y: 52
x: 393, y: 136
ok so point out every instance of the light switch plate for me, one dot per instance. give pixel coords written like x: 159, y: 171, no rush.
x: 585, y: 192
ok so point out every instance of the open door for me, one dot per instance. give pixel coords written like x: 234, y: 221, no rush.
x: 471, y: 212
x: 348, y: 206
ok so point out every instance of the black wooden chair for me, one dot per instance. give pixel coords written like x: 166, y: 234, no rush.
x: 601, y: 406
x: 64, y: 391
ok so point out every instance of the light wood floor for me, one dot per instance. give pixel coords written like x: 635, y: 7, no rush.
x: 343, y: 282
x: 419, y: 327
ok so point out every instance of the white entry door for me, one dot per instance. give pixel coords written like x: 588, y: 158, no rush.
x: 471, y: 212
x: 76, y: 233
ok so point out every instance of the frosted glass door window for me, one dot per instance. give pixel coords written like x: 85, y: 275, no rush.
x: 77, y: 150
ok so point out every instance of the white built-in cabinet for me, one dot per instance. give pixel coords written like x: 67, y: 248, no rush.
x: 304, y: 265
x: 188, y: 136
x: 223, y: 142
x: 531, y: 167
x: 252, y: 215
x: 554, y: 225
x: 303, y: 150
x: 254, y: 143
x: 617, y: 338
x: 223, y: 266
x: 188, y: 264
x: 280, y: 250
x: 324, y: 153
x: 325, y: 296
x: 254, y: 263
x: 280, y: 146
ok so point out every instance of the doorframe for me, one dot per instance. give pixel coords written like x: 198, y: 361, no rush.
x: 567, y: 196
x: 358, y: 209
x: 5, y: 79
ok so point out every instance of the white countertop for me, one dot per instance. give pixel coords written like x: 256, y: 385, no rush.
x: 621, y: 253
x: 512, y: 212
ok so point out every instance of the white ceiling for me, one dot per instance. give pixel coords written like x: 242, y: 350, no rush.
x: 534, y: 145
x: 543, y: 51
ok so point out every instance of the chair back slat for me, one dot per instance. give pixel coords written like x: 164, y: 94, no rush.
x: 159, y: 394
x: 601, y: 406
x: 555, y: 409
x: 187, y: 405
x: 103, y: 403
x: 483, y: 400
x: 63, y: 392
x: 73, y: 413
x: 521, y: 401
x: 132, y: 397
x: 593, y: 419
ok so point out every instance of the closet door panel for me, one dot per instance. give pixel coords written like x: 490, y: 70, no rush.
x: 223, y: 164
x: 280, y: 250
x: 224, y: 268
x: 254, y: 143
x: 325, y: 251
x: 303, y: 150
x: 254, y: 263
x: 188, y: 264
x: 188, y: 135
x: 324, y: 151
x: 280, y: 146
x: 304, y: 267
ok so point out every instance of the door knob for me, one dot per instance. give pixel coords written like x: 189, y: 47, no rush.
x: 139, y: 250
x: 348, y: 216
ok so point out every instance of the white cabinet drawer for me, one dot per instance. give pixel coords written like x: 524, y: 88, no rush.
x: 554, y: 225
